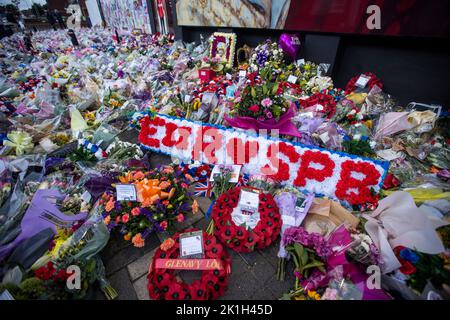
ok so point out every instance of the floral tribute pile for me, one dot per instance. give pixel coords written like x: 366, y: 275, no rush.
x: 163, y: 284
x: 364, y: 179
x: 241, y: 238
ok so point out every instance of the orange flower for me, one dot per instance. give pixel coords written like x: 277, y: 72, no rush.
x: 189, y: 177
x: 138, y: 175
x: 135, y: 211
x: 163, y: 224
x: 109, y: 205
x: 107, y: 220
x: 164, y: 184
x: 127, y: 237
x: 194, y: 207
x: 138, y: 241
x: 146, y: 203
x: 167, y: 244
x: 127, y: 178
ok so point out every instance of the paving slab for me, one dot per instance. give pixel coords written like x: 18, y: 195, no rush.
x: 120, y: 281
x: 140, y: 286
x: 139, y: 267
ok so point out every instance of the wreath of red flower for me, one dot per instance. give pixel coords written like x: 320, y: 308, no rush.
x: 374, y: 80
x: 326, y: 100
x: 164, y: 285
x: 238, y: 238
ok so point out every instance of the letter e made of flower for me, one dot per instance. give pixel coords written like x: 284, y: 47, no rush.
x: 374, y: 20
x: 74, y: 280
x: 374, y: 279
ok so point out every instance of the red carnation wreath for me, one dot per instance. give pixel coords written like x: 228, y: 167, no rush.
x: 164, y: 285
x: 239, y: 238
x: 374, y: 80
x: 325, y: 100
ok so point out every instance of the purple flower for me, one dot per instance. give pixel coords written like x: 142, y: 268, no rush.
x: 269, y: 115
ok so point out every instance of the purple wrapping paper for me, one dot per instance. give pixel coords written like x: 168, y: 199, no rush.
x: 284, y: 124
x: 41, y: 214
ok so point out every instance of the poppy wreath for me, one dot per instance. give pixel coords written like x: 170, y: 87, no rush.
x: 239, y: 238
x: 374, y: 80
x: 164, y: 285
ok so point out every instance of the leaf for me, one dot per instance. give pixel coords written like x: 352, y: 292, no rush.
x: 253, y: 92
x: 313, y: 265
x: 265, y: 89
x: 275, y: 89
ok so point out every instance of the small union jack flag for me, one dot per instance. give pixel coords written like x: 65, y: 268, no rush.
x: 243, y: 180
x: 204, y: 189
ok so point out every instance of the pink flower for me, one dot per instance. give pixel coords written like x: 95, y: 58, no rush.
x: 180, y: 218
x: 125, y: 218
x: 135, y: 211
x: 266, y: 102
x: 254, y: 108
x: 184, y: 185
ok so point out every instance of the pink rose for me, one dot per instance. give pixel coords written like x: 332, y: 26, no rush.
x: 125, y: 218
x: 135, y: 211
x: 180, y: 218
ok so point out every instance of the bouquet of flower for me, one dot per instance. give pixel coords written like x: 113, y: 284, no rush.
x: 113, y: 100
x: 309, y: 251
x: 163, y: 203
x: 267, y: 55
x: 261, y: 101
x: 121, y: 150
x: 419, y: 268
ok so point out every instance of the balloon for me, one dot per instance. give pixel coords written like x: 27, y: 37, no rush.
x: 290, y: 43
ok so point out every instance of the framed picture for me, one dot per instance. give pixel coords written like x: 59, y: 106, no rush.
x: 223, y: 46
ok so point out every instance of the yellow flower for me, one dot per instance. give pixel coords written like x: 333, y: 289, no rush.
x: 127, y: 237
x: 20, y: 140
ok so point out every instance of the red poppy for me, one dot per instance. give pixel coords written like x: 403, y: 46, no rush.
x: 198, y: 290
x: 241, y: 233
x: 210, y: 242
x: 227, y: 233
x: 162, y: 280
x: 175, y: 292
x: 215, y: 252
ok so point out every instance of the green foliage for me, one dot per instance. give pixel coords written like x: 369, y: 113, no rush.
x: 358, y: 147
x: 432, y: 268
x: 81, y: 154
